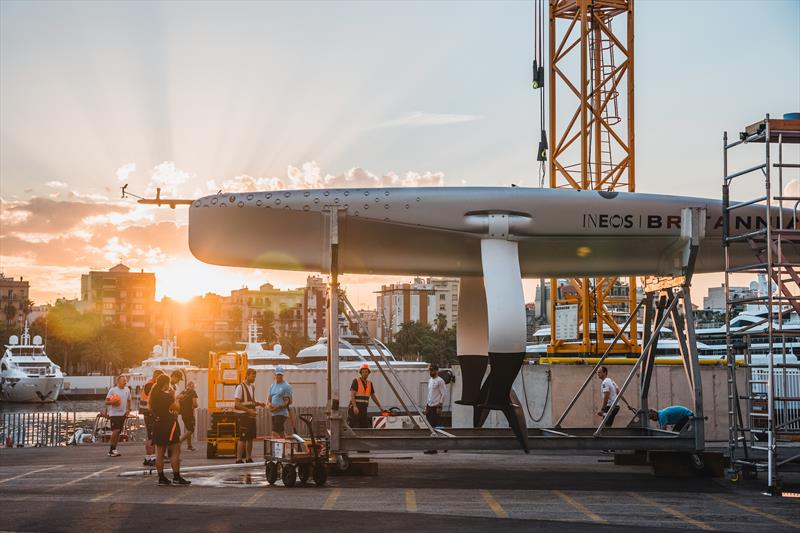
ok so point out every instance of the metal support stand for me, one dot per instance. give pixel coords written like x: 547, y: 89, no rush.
x: 674, y: 304
x: 334, y: 414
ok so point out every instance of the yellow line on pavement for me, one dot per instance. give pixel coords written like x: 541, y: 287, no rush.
x: 411, y: 501
x: 29, y: 473
x: 775, y: 518
x: 331, y: 501
x: 669, y: 510
x: 575, y: 504
x: 93, y: 474
x: 493, y: 504
x: 253, y: 499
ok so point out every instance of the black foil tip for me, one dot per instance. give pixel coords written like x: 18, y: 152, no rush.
x: 473, y: 367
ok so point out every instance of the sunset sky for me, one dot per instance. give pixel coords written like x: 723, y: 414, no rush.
x: 201, y: 96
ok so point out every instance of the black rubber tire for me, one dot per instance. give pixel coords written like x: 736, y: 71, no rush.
x: 211, y: 451
x: 696, y: 461
x: 288, y: 475
x: 319, y: 473
x: 303, y: 471
x: 272, y: 472
x: 343, y: 462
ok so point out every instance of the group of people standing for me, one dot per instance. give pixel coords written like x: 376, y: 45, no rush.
x: 279, y: 398
x: 362, y: 390
x: 161, y: 403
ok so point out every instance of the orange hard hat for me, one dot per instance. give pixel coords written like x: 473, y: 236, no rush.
x: 115, y: 400
x: 364, y: 366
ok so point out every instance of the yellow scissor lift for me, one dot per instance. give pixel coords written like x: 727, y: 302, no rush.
x: 225, y: 371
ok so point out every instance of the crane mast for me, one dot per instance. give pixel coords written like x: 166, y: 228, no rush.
x: 591, y: 144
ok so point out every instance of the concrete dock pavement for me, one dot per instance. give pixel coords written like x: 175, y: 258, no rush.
x: 66, y: 489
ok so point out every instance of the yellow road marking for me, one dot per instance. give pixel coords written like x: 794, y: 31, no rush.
x: 775, y: 518
x: 253, y: 499
x: 29, y: 473
x: 411, y: 501
x: 331, y: 501
x: 575, y: 504
x: 493, y: 504
x: 84, y: 478
x: 669, y: 510
x: 102, y: 497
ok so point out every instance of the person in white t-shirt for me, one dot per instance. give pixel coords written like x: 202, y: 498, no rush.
x: 118, y: 407
x: 609, y: 390
x: 437, y: 390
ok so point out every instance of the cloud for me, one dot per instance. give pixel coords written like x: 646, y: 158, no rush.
x: 52, y: 240
x: 418, y: 118
x: 48, y: 215
x: 310, y: 176
x: 123, y: 173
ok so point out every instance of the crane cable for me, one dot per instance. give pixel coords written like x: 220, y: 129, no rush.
x: 538, y: 82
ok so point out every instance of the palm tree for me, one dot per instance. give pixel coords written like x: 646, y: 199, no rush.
x: 11, y: 314
x: 26, y: 305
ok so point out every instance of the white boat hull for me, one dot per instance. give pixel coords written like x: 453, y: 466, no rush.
x: 41, y: 389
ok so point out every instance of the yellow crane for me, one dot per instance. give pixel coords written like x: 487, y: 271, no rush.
x: 591, y: 146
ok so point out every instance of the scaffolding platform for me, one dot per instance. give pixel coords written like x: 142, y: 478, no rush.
x: 764, y: 419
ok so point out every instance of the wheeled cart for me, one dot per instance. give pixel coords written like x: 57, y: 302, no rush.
x: 296, y: 458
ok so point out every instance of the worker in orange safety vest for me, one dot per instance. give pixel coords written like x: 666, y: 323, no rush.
x: 361, y: 390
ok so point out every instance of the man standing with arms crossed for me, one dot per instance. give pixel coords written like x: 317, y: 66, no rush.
x: 245, y: 404
x: 118, y: 402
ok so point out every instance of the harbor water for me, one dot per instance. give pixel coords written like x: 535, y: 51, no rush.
x: 47, y: 424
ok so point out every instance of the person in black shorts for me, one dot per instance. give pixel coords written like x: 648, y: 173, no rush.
x: 166, y: 433
x: 245, y: 405
x: 144, y: 410
x: 188, y: 403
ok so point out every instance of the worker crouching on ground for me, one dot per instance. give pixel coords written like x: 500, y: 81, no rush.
x: 245, y: 404
x: 676, y: 416
x: 118, y: 407
x: 166, y: 433
x: 278, y: 402
x: 361, y: 390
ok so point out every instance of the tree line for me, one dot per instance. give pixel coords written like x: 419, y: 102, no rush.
x: 80, y: 343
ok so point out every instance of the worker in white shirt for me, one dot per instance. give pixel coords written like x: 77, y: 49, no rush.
x: 437, y: 389
x: 610, y: 390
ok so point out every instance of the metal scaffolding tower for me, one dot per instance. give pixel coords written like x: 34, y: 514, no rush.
x: 764, y: 416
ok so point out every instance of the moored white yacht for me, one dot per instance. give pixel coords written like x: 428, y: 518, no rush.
x: 26, y: 372
x: 353, y: 352
x: 163, y: 356
x: 257, y: 356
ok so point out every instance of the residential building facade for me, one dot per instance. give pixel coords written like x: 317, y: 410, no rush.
x: 120, y: 296
x: 14, y: 301
x: 422, y: 300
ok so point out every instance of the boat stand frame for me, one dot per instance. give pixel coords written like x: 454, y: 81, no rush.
x: 673, y: 303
